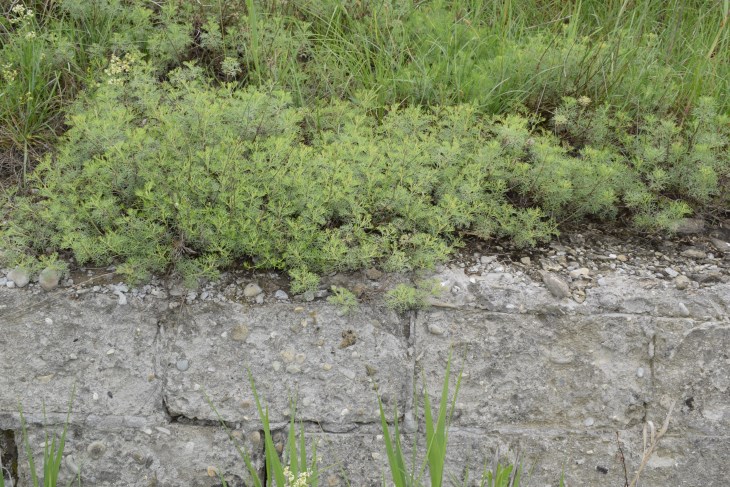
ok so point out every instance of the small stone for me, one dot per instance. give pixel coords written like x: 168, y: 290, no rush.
x: 255, y: 438
x: 182, y: 364
x: 671, y: 272
x: 720, y: 245
x: 694, y: 254
x: 580, y: 273
x: 622, y: 258
x: 556, y: 285
x: 49, y: 278
x: 682, y: 282
x: 486, y: 259
x: 640, y: 372
x: 683, y: 309
x: 688, y: 226
x: 251, y: 290
x: 19, y: 276
x: 409, y: 423
x: 348, y: 373
x: 260, y: 299
x: 10, y: 284
x: 293, y: 369
x: 96, y: 449
x: 162, y: 430
x: 212, y: 472
x: 525, y: 260
x: 177, y: 290
x: 121, y: 287
x: 589, y: 422
x: 71, y: 465
x: 373, y: 274
x: 240, y: 332
x: 281, y: 295
x: 579, y: 296
x: 708, y: 277
x: 122, y: 299
x: 276, y: 365
x: 349, y: 338
x: 435, y: 329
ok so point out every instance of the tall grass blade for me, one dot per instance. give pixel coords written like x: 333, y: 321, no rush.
x: 395, y: 455
x: 241, y: 452
x: 274, y: 469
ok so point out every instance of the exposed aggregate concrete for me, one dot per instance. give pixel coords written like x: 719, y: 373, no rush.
x: 560, y: 349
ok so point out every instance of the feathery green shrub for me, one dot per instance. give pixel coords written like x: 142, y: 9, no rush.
x: 201, y: 177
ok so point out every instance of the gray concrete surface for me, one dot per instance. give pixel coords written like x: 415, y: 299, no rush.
x: 551, y: 379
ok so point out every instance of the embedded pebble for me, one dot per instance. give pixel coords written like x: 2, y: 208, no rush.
x: 182, y: 365
x: 578, y: 273
x: 410, y: 425
x: 240, y: 332
x: 71, y: 465
x: 251, y: 290
x: 671, y: 272
x: 49, y: 278
x: 682, y: 282
x: 435, y: 329
x: 19, y: 277
x: 348, y: 373
x: 96, y: 449
x: 640, y: 372
x: 589, y: 422
x: 281, y: 295
x: 373, y: 274
x: 693, y: 254
x: 162, y: 430
x: 293, y: 369
x: 689, y: 226
x: 556, y: 285
x: 122, y: 299
x: 683, y: 309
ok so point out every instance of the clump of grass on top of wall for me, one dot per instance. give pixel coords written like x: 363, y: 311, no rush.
x: 652, y: 57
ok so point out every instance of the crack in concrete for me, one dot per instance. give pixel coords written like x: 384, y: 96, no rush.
x: 9, y: 457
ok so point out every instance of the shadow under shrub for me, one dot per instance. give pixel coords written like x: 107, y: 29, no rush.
x: 197, y: 177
